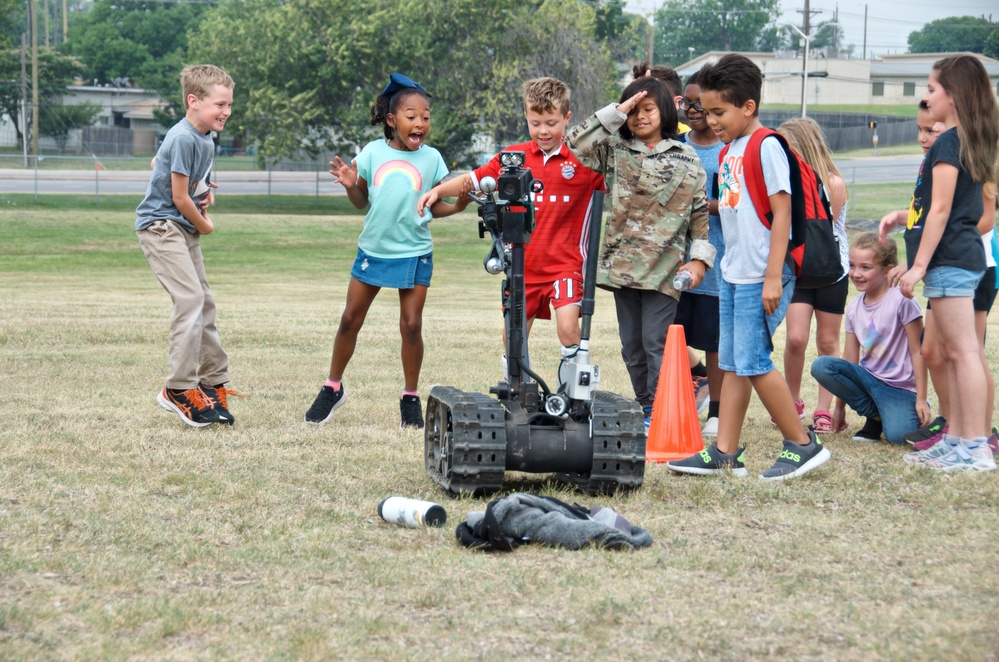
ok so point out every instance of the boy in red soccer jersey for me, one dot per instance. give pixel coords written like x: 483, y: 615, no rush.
x: 553, y: 260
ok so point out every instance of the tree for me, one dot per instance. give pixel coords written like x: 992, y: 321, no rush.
x: 12, y: 23
x: 56, y: 120
x: 142, y: 40
x: 55, y: 72
x: 307, y: 72
x: 991, y: 46
x: 952, y: 34
x: 726, y: 25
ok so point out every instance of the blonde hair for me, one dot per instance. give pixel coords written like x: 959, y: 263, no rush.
x: 966, y: 81
x: 805, y: 136
x: 545, y: 95
x: 885, y: 254
x: 199, y: 79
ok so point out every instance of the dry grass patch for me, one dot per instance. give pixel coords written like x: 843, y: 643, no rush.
x: 124, y: 534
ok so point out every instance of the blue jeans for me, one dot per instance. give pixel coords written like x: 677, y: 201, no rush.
x: 745, y: 339
x: 868, y: 396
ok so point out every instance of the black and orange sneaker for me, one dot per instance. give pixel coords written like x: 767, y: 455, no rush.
x: 220, y: 394
x: 193, y: 406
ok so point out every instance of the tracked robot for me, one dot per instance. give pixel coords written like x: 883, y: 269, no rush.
x: 591, y: 438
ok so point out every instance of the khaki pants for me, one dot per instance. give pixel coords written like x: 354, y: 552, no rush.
x: 195, y: 353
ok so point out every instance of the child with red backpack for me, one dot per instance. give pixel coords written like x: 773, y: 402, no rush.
x: 757, y: 279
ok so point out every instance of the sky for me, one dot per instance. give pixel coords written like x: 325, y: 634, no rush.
x: 889, y: 22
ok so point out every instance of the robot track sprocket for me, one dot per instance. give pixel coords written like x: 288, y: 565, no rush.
x: 465, y: 441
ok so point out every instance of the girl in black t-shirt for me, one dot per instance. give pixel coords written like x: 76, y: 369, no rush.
x: 945, y: 251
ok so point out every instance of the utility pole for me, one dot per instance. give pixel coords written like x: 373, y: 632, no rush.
x: 34, y: 77
x: 24, y: 98
x: 864, y: 52
x: 65, y: 23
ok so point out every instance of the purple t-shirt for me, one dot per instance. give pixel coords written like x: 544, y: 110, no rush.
x: 880, y: 329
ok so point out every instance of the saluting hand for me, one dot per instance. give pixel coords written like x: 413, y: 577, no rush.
x: 628, y: 105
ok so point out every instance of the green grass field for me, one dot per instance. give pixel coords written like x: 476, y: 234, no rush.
x: 126, y: 535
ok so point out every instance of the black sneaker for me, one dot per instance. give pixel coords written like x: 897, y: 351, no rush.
x: 711, y: 461
x: 193, y: 406
x: 797, y: 460
x: 411, y: 411
x: 219, y: 394
x: 925, y: 432
x: 870, y: 432
x: 327, y: 402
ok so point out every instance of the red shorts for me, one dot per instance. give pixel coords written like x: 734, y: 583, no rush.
x: 540, y: 298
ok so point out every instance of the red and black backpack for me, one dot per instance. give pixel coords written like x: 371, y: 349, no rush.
x: 814, y: 248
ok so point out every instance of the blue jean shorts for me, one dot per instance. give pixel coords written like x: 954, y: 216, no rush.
x: 746, y: 331
x: 401, y: 273
x: 950, y: 282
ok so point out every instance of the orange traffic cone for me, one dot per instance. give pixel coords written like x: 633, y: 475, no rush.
x: 675, y: 432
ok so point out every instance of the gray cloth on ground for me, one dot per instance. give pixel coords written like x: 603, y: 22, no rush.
x: 523, y: 518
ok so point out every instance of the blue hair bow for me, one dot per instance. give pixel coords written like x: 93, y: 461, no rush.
x: 398, y: 82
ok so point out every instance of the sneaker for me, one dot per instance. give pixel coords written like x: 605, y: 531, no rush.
x: 797, y: 460
x: 942, y: 447
x: 647, y: 412
x: 220, y: 394
x: 411, y: 411
x: 193, y: 406
x: 327, y: 402
x: 993, y: 442
x: 701, y: 393
x: 799, y: 406
x: 710, y: 428
x: 930, y: 442
x: 964, y: 455
x: 871, y: 432
x: 711, y: 461
x: 922, y: 434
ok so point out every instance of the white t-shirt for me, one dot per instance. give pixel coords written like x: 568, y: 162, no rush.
x: 990, y: 259
x: 747, y: 240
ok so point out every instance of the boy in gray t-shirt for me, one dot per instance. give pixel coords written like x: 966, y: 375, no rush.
x: 169, y: 223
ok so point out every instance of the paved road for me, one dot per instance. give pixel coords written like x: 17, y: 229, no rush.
x: 878, y: 170
x: 133, y: 182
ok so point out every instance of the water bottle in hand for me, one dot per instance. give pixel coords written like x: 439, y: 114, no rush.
x: 682, y: 282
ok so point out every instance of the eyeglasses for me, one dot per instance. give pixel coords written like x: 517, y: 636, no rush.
x: 690, y: 105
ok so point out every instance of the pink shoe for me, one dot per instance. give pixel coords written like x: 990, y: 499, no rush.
x: 800, y: 407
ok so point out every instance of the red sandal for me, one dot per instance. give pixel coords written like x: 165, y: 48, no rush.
x: 822, y: 422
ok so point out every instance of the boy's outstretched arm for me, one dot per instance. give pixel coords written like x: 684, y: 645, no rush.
x: 458, y: 186
x: 186, y: 206
x: 780, y: 230
x: 442, y: 208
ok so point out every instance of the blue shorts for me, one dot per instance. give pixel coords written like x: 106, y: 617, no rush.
x: 746, y: 331
x: 402, y: 273
x: 942, y: 282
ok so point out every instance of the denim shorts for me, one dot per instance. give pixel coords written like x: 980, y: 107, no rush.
x: 746, y: 331
x: 401, y: 273
x: 950, y: 282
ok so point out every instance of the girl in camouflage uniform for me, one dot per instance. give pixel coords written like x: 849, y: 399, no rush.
x: 659, y: 206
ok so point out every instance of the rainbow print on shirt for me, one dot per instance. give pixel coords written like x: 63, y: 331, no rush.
x: 399, y: 168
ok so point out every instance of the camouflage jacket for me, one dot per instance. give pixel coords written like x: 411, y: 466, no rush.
x: 659, y: 204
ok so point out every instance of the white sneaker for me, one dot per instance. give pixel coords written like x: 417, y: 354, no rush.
x: 504, y: 364
x: 710, y: 428
x: 966, y: 455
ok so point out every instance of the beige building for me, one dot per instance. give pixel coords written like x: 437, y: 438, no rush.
x: 889, y: 79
